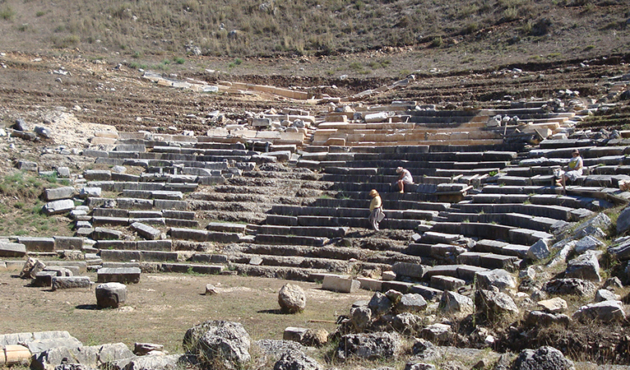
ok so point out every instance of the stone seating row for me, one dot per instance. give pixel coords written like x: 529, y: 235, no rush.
x: 449, y: 232
x: 18, y: 246
x: 139, y: 204
x: 549, y: 225
x: 592, y: 204
x: 490, y: 155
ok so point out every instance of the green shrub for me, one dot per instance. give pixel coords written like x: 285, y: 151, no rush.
x: 40, y: 13
x: 179, y: 60
x: 437, y: 42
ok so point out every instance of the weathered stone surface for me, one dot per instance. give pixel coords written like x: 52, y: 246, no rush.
x: 294, y: 334
x: 291, y: 298
x: 554, y: 305
x: 570, y: 286
x: 65, y: 192
x: 341, y: 284
x: 425, y: 350
x: 101, y: 233
x: 543, y: 319
x: 605, y: 295
x: 36, y: 244
x: 219, y: 341
x: 413, y: 270
x: 294, y: 360
x: 110, y: 295
x: 361, y: 317
x: 606, y: 311
x: 379, y: 304
x: 406, y: 322
x: 539, y: 251
x: 411, y: 302
x: 494, y: 304
x: 31, y: 268
x: 601, y: 221
x: 371, y: 346
x: 92, y: 356
x: 155, y: 362
x: 58, y: 206
x: 544, y: 358
x: 68, y: 242
x: 146, y: 231
x: 620, y: 248
x: 498, y: 278
x: 587, y: 243
x: 62, y: 282
x: 211, y: 290
x: 584, y: 266
x: 454, y: 303
x: 277, y: 348
x: 623, y: 221
x: 437, y: 332
x: 141, y: 349
x: 12, y: 249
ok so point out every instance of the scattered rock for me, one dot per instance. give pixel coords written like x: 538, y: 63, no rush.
x: 371, y: 346
x: 294, y: 360
x: 223, y: 341
x: 291, y: 298
x: 544, y: 358
x: 606, y: 311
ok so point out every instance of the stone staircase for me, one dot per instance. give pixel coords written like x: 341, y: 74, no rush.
x: 225, y: 206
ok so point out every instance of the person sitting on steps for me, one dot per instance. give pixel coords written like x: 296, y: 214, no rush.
x: 405, y: 178
x: 574, y: 170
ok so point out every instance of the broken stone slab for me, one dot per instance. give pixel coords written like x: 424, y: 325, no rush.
x: 573, y: 286
x: 88, y: 356
x: 620, y: 249
x: 454, y: 303
x: 97, y: 175
x: 585, y: 266
x: 146, y: 231
x: 605, y: 295
x: 128, y: 275
x: 58, y: 206
x: 101, y: 233
x: 498, y: 278
x: 110, y: 295
x: 437, y: 332
x: 341, y: 284
x: 542, y: 358
x: 606, y: 311
x: 31, y: 267
x: 62, y: 282
x: 294, y: 334
x: 446, y: 282
x: 587, y: 243
x: 554, y: 305
x: 90, y: 192
x: 539, y: 251
x: 413, y: 270
x: 494, y: 304
x: 12, y: 249
x: 543, y: 319
x: 27, y: 166
x: 370, y: 346
x: 68, y: 242
x: 43, y: 279
x: 66, y: 192
x: 35, y: 244
x: 370, y: 284
x: 227, y: 227
x: 411, y: 302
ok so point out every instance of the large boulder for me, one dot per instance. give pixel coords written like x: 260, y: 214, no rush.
x: 577, y: 287
x: 380, y: 304
x: 544, y: 358
x: 373, y: 346
x: 606, y: 311
x: 584, y: 266
x: 499, y: 278
x: 494, y: 304
x: 223, y: 341
x: 454, y: 303
x: 292, y: 298
x: 295, y: 360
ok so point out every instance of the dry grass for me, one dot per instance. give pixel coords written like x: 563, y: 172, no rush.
x: 162, y: 307
x: 254, y: 28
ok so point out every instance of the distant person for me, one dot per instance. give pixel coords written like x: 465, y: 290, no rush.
x: 376, y: 210
x: 573, y: 170
x: 404, y: 178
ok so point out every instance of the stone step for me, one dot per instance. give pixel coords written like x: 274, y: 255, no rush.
x: 441, y: 282
x: 322, y: 232
x: 499, y: 247
x: 554, y: 212
x: 330, y: 265
x: 490, y: 261
x: 143, y: 245
x: 278, y: 272
x: 137, y: 255
x: 492, y: 231
x: 289, y: 210
x: 192, y: 268
x: 153, y: 194
x: 125, y: 275
x: 331, y: 221
x: 290, y: 240
x: 393, y: 201
x: 546, y: 224
x: 206, y: 236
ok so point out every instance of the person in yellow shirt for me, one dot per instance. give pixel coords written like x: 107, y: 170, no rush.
x: 574, y: 170
x: 376, y: 210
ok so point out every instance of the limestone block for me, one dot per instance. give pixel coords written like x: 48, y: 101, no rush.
x: 58, y: 206
x: 119, y: 275
x: 110, y: 295
x: 12, y: 249
x: 65, y: 192
x: 146, y: 231
x: 342, y: 284
x: 62, y: 282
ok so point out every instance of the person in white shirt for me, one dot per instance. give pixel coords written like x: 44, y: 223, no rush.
x: 574, y: 170
x: 405, y: 178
